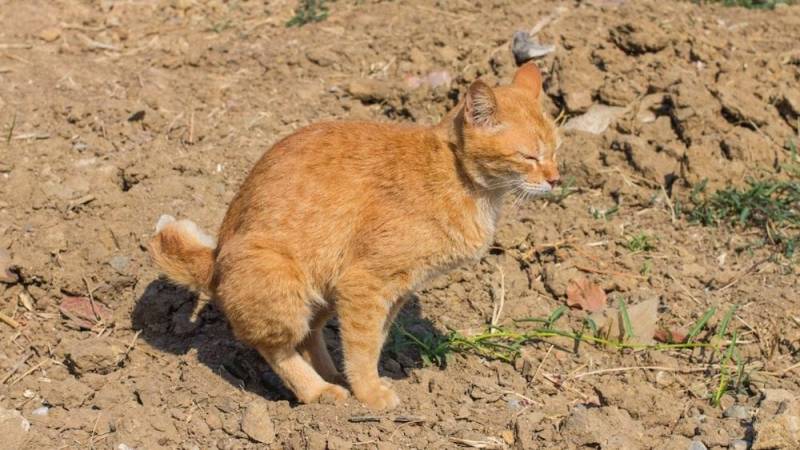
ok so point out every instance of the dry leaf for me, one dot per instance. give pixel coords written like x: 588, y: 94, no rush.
x: 83, y: 313
x: 643, y: 318
x: 670, y: 336
x: 583, y: 294
x: 6, y: 274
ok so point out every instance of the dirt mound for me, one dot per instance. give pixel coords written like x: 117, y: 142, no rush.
x: 113, y: 113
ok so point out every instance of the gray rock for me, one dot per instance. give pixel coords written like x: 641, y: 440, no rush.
x: 697, y: 445
x: 257, y: 424
x: 737, y: 412
x: 739, y: 444
x: 120, y: 263
x: 525, y: 47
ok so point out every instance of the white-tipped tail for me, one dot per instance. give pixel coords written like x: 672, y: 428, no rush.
x: 188, y: 227
x: 184, y: 252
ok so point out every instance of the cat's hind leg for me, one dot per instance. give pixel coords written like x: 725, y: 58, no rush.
x: 266, y: 299
x: 315, y: 351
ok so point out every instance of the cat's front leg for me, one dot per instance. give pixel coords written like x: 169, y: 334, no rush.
x: 364, y: 313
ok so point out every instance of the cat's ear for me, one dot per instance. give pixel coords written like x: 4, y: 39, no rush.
x: 529, y: 77
x: 480, y: 105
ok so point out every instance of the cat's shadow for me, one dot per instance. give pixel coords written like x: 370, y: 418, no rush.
x: 175, y: 321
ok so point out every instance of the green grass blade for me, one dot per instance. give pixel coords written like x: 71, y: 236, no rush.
x: 626, y: 319
x: 698, y: 326
x: 726, y: 320
x: 724, y: 377
x: 555, y: 315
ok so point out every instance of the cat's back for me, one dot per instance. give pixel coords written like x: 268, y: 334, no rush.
x: 325, y: 168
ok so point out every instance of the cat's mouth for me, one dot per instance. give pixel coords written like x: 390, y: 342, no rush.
x: 536, y: 189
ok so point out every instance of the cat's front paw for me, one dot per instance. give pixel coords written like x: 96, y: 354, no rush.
x: 332, y: 394
x: 381, y: 396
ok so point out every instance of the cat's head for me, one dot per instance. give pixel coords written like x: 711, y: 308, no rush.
x: 507, y: 142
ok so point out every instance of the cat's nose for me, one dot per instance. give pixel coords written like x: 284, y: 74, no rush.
x: 554, y: 181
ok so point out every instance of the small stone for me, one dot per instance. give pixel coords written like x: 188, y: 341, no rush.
x: 120, y: 263
x: 368, y: 90
x: 697, y: 445
x: 257, y: 424
x: 13, y: 428
x: 322, y: 58
x: 525, y: 48
x: 316, y: 440
x: 737, y: 412
x: 50, y: 34
x: 664, y: 378
x: 93, y: 355
x: 41, y: 411
x: 596, y: 120
x: 739, y: 444
x: 508, y: 436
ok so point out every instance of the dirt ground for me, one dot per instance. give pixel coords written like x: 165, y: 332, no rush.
x: 115, y: 112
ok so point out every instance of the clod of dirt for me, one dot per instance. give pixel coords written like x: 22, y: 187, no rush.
x: 526, y: 427
x: 13, y: 429
x: 6, y: 274
x: 775, y: 399
x: 777, y: 424
x: 636, y: 39
x: 557, y: 277
x: 368, y: 90
x: 525, y: 48
x: 92, y: 355
x: 740, y: 106
x: 608, y: 427
x: 68, y: 392
x: 789, y: 107
x: 83, y: 313
x: 322, y: 57
x: 585, y: 295
x: 596, y: 120
x: 257, y: 424
x: 575, y: 80
x: 50, y: 34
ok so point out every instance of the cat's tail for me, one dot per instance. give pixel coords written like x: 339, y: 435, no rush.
x: 184, y: 253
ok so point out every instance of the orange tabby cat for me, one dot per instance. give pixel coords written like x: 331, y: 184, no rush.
x: 350, y: 217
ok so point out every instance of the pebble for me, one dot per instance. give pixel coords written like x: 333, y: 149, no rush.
x: 41, y: 411
x: 737, y: 412
x: 697, y: 445
x: 524, y: 47
x: 368, y: 90
x: 120, y: 263
x: 257, y: 424
x: 739, y: 444
x: 50, y: 34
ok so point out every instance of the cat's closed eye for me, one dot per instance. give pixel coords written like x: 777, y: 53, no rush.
x: 531, y: 156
